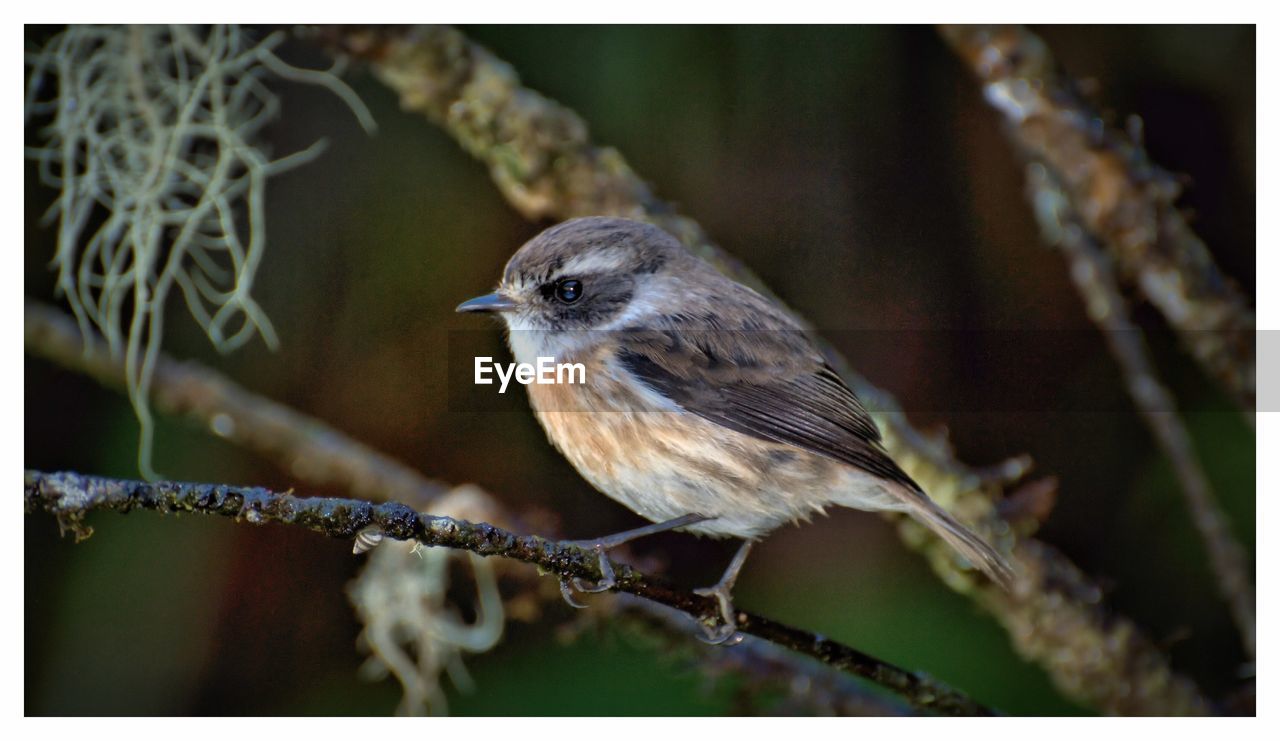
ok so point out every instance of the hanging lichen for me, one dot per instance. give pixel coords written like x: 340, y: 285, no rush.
x: 152, y: 143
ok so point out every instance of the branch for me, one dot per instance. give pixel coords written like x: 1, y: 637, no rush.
x: 761, y: 669
x: 305, y: 447
x: 540, y: 157
x: 1123, y: 200
x: 70, y: 497
x: 1091, y: 189
x: 1095, y: 279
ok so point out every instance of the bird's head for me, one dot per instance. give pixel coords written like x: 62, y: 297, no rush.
x: 594, y: 273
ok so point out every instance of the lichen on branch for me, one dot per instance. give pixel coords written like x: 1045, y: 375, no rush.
x: 152, y: 143
x: 1125, y: 201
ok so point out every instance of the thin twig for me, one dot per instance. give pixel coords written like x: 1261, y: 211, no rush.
x: 1121, y: 198
x: 759, y: 669
x: 1095, y: 279
x: 305, y: 447
x: 71, y: 496
x: 541, y: 158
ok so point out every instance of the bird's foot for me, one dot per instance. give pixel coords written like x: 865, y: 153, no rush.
x: 607, y: 578
x: 725, y: 631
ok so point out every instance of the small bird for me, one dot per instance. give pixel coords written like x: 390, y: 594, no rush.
x: 705, y: 407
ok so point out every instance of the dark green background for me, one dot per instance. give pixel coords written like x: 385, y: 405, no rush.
x: 858, y: 171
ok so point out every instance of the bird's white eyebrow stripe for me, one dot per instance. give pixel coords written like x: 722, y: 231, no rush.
x: 594, y: 262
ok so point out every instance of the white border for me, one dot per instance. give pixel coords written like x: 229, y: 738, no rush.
x: 808, y: 11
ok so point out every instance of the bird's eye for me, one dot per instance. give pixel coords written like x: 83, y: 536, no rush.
x: 569, y: 290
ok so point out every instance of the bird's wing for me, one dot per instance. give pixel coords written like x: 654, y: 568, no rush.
x: 771, y: 384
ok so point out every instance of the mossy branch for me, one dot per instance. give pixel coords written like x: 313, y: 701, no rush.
x: 1092, y: 270
x: 307, y: 448
x: 1126, y: 202
x: 71, y: 497
x: 1112, y: 212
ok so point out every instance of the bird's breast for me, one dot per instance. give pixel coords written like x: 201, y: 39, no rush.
x: 663, y: 462
x: 603, y: 425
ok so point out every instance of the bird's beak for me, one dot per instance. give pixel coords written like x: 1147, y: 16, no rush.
x: 492, y: 302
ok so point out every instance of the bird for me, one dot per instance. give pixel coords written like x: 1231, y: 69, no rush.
x: 704, y: 406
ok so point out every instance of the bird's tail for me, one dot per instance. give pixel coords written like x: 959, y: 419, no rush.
x: 976, y: 550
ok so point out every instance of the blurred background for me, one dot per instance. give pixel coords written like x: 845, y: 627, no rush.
x: 860, y: 174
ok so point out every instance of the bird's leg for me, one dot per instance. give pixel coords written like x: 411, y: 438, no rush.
x: 723, y: 592
x: 609, y: 542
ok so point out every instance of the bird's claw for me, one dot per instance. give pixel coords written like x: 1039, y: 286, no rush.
x: 721, y: 635
x: 566, y: 591
x: 726, y: 632
x: 607, y: 578
x: 607, y: 581
x: 587, y: 587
